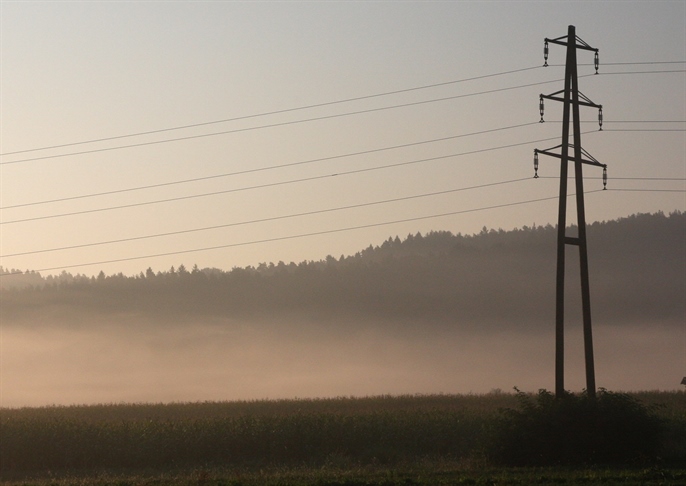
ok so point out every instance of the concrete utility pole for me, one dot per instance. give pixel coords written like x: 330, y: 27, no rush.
x: 572, y: 99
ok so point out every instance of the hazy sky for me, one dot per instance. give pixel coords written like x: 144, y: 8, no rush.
x: 81, y: 71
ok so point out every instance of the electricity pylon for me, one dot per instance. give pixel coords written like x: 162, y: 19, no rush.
x: 572, y: 100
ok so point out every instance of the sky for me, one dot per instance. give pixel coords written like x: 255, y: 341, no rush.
x: 287, y: 154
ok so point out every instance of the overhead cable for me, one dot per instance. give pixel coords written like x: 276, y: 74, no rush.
x: 273, y: 184
x: 650, y: 190
x: 306, y: 120
x: 364, y: 152
x: 302, y: 235
x: 274, y: 218
x: 261, y: 169
x: 280, y: 124
x: 622, y: 63
x: 645, y: 72
x: 638, y: 63
x: 317, y: 105
x: 276, y: 112
x: 628, y: 178
x: 644, y: 129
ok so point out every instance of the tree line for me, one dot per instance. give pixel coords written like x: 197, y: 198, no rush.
x: 637, y: 267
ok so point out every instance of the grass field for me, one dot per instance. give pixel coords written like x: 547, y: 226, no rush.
x: 434, y: 439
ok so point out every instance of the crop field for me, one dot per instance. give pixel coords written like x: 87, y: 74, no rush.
x: 423, y: 439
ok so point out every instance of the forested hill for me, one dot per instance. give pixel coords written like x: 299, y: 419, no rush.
x: 637, y: 267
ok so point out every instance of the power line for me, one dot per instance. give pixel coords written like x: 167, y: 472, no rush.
x: 638, y: 121
x: 671, y: 179
x: 608, y: 122
x: 247, y: 171
x: 302, y: 235
x: 354, y: 206
x: 274, y: 112
x: 636, y: 63
x: 274, y: 218
x: 649, y: 190
x: 280, y: 124
x: 627, y: 178
x: 645, y: 72
x: 193, y: 196
x: 644, y: 129
x: 364, y: 152
x: 621, y: 121
x: 316, y: 105
x: 622, y: 63
x: 650, y: 178
x: 306, y: 120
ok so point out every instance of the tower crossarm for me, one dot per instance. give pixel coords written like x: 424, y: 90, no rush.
x: 580, y: 44
x: 579, y: 100
x: 589, y: 159
x: 583, y: 99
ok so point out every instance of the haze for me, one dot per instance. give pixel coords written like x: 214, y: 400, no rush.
x: 435, y: 313
x: 105, y: 364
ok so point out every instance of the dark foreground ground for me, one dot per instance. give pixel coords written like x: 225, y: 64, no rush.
x: 444, y: 473
x: 388, y: 440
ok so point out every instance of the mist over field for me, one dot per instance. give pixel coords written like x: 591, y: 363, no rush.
x: 435, y: 313
x: 43, y: 366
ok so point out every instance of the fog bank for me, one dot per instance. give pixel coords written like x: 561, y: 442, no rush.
x: 106, y: 363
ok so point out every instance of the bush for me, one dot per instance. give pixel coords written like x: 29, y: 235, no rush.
x: 576, y: 429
